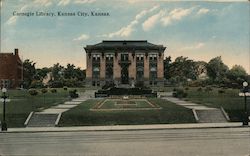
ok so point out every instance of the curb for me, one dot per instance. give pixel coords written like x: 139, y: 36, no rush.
x: 124, y: 128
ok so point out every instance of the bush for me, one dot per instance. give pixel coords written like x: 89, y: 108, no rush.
x: 65, y: 88
x: 208, y: 89
x: 108, y: 85
x: 73, y: 94
x: 199, y: 89
x: 221, y: 91
x: 36, y: 84
x: 33, y: 92
x: 56, y: 84
x: 53, y: 91
x: 179, y: 93
x: 44, y: 90
x: 139, y: 84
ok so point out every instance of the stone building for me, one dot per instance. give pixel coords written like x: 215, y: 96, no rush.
x: 10, y: 70
x: 124, y: 62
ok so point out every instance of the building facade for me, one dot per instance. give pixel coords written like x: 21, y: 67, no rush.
x: 10, y: 70
x: 124, y: 62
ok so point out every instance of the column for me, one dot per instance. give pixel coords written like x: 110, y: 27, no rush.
x: 146, y: 67
x: 103, y: 67
x: 132, y: 67
x: 160, y: 67
x: 117, y: 68
x: 89, y: 66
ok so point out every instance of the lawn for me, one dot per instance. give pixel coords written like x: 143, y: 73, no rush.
x: 118, y: 104
x: 229, y: 100
x: 169, y: 114
x: 22, y: 103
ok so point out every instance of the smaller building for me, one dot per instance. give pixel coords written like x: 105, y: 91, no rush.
x: 11, y: 74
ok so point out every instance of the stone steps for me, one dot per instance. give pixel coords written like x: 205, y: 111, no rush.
x: 42, y: 120
x: 211, y: 116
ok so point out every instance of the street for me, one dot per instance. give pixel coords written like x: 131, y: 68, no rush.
x: 169, y: 142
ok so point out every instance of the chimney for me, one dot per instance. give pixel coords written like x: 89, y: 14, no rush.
x: 16, y: 51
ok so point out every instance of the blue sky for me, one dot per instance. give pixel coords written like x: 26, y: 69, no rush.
x: 198, y: 30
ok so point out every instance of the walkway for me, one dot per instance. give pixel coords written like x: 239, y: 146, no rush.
x: 202, y: 113
x: 51, y: 116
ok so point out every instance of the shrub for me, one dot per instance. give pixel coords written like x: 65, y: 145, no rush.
x: 44, y: 90
x: 53, y: 90
x: 179, y: 93
x: 108, y: 85
x: 65, y: 88
x: 33, y: 92
x: 56, y: 84
x: 139, y: 84
x: 208, y: 89
x: 221, y: 91
x: 73, y: 94
x: 36, y: 84
x: 199, y: 89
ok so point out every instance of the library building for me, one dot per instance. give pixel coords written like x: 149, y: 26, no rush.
x: 124, y: 63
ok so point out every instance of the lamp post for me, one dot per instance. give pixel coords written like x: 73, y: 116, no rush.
x: 4, y: 124
x: 245, y: 90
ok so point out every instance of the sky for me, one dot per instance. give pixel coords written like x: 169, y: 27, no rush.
x: 199, y: 30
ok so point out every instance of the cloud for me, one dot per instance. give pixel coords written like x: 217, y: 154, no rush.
x: 63, y: 2
x: 144, y: 12
x: 203, y: 11
x: 127, y: 30
x: 193, y: 47
x: 45, y: 3
x: 151, y: 21
x: 84, y: 1
x: 82, y: 37
x: 12, y: 20
x: 175, y: 15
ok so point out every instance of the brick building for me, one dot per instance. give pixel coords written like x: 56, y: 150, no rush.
x: 124, y: 62
x: 10, y: 70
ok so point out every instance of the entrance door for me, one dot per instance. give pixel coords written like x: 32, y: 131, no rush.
x: 124, y: 74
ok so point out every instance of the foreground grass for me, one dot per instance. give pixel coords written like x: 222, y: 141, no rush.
x: 170, y: 113
x: 22, y: 103
x: 229, y: 100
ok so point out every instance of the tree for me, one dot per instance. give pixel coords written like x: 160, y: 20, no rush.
x: 183, y: 69
x: 237, y: 74
x: 167, y: 65
x: 41, y: 73
x: 216, y: 69
x: 29, y: 72
x: 57, y: 71
x: 69, y: 72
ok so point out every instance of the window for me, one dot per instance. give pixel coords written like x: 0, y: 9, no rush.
x: 96, y: 72
x: 96, y: 57
x: 152, y: 57
x: 109, y: 57
x: 139, y: 73
x: 139, y: 57
x: 124, y: 57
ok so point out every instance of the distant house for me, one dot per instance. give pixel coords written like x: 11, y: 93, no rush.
x: 10, y: 70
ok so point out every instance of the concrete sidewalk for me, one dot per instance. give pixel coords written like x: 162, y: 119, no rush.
x: 126, y: 127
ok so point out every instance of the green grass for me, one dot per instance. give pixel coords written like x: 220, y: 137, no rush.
x: 111, y: 104
x: 22, y: 103
x: 170, y: 113
x: 230, y: 101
